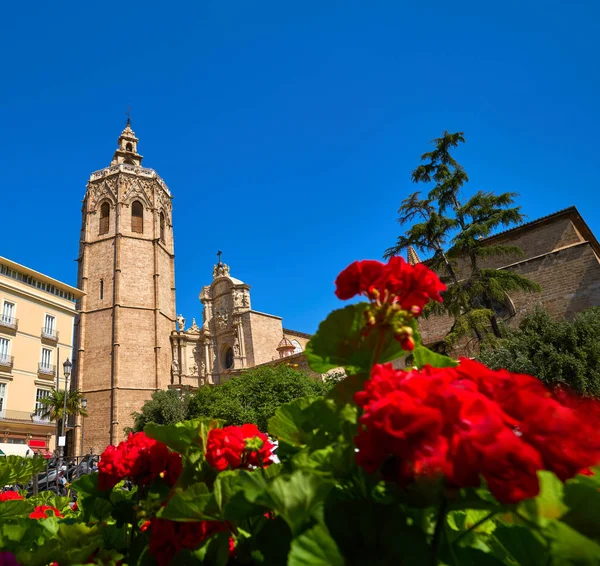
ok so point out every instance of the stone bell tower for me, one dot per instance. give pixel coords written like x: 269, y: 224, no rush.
x: 126, y: 269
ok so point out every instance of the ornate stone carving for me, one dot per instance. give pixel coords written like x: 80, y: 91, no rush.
x: 99, y: 191
x: 222, y: 318
x: 175, y: 367
x: 181, y: 322
x: 245, y: 299
x: 135, y: 187
x: 194, y: 328
x: 220, y: 270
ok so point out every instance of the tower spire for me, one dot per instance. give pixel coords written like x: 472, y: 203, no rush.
x: 411, y: 256
x: 127, y: 150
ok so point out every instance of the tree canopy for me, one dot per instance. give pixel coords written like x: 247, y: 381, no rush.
x: 558, y: 352
x: 450, y: 228
x: 52, y: 407
x: 253, y: 397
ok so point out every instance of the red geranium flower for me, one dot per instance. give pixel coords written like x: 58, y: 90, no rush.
x: 469, y: 422
x: 140, y: 458
x: 41, y: 512
x: 238, y: 447
x: 9, y: 496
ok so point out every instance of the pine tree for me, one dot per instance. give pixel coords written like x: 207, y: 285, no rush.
x: 452, y: 231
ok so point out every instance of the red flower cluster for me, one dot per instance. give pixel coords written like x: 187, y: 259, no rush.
x: 167, y: 538
x: 9, y: 496
x: 41, y: 512
x: 398, y: 282
x: 238, y: 447
x: 140, y: 458
x: 470, y: 421
x: 397, y: 290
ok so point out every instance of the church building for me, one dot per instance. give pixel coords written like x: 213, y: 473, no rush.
x: 128, y: 341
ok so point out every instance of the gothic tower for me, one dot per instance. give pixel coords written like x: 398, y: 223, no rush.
x: 126, y: 269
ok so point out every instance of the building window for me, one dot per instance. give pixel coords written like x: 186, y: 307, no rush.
x: 2, y: 399
x: 4, y: 350
x: 8, y: 313
x: 128, y: 147
x: 49, y: 325
x: 46, y: 362
x: 39, y: 395
x: 137, y: 217
x: 162, y: 227
x: 101, y: 289
x: 228, y: 358
x: 298, y: 347
x: 104, y: 218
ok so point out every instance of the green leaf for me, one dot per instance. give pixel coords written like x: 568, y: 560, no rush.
x: 14, y: 508
x: 16, y: 469
x: 340, y: 342
x: 216, y: 551
x: 87, y: 485
x: 195, y: 503
x: 424, y: 356
x: 288, y: 421
x: 568, y: 547
x: 180, y: 437
x: 298, y: 498
x: 315, y: 547
x: 369, y: 533
x: 522, y: 544
x: 583, y: 515
x: 549, y: 503
x: 466, y: 556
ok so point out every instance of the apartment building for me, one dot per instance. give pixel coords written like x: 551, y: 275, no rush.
x: 37, y: 315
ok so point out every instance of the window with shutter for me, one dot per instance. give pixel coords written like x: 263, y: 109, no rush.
x: 104, y: 218
x: 137, y: 217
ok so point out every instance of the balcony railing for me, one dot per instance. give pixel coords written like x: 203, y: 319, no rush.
x: 46, y: 369
x: 11, y: 415
x: 9, y: 322
x: 6, y: 361
x: 49, y: 334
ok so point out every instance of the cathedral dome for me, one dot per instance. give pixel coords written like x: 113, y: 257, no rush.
x: 285, y: 348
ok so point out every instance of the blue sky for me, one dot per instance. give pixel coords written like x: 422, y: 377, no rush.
x: 287, y: 131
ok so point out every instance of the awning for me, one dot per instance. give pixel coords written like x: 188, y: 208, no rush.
x: 15, y: 450
x: 37, y: 444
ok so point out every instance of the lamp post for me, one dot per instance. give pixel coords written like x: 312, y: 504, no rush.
x: 83, y: 406
x: 67, y: 373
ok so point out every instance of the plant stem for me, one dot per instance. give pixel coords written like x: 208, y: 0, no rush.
x: 473, y: 527
x: 379, y: 347
x: 438, y: 532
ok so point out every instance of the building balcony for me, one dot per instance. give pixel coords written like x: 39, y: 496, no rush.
x: 22, y: 416
x: 6, y: 362
x: 9, y: 322
x: 49, y: 334
x: 46, y: 369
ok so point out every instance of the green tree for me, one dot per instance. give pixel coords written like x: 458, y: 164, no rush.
x: 165, y: 407
x: 52, y: 407
x: 556, y: 351
x: 254, y: 396
x: 452, y: 231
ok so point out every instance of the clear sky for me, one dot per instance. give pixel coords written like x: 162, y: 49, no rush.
x: 287, y: 131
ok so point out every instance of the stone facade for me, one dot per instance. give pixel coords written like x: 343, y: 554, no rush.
x: 126, y: 270
x: 232, y: 337
x: 561, y: 254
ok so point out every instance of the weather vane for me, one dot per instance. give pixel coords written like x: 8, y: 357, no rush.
x: 219, y: 255
x: 128, y: 115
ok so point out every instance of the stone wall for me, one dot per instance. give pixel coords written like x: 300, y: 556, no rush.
x: 265, y: 332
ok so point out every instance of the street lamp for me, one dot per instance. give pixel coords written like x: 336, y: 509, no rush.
x: 83, y: 406
x: 67, y: 373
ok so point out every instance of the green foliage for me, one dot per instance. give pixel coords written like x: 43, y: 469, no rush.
x: 453, y: 232
x: 14, y: 469
x: 255, y: 396
x: 52, y: 407
x: 165, y: 407
x: 556, y: 351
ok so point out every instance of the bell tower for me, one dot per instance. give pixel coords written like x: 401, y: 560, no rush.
x: 126, y: 269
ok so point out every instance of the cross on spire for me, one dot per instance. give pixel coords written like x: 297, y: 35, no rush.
x: 128, y: 115
x: 219, y: 255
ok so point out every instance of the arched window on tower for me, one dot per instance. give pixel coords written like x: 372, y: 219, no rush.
x: 162, y: 227
x: 128, y: 147
x: 104, y: 218
x: 137, y: 217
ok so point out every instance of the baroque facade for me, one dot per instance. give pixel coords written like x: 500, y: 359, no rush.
x: 232, y: 336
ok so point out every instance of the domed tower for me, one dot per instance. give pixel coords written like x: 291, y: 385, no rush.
x: 285, y: 348
x: 126, y: 269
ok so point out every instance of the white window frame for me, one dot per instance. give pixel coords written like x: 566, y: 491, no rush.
x: 3, y: 395
x: 14, y: 310
x: 49, y: 364
x: 51, y: 328
x: 7, y: 353
x: 37, y: 398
